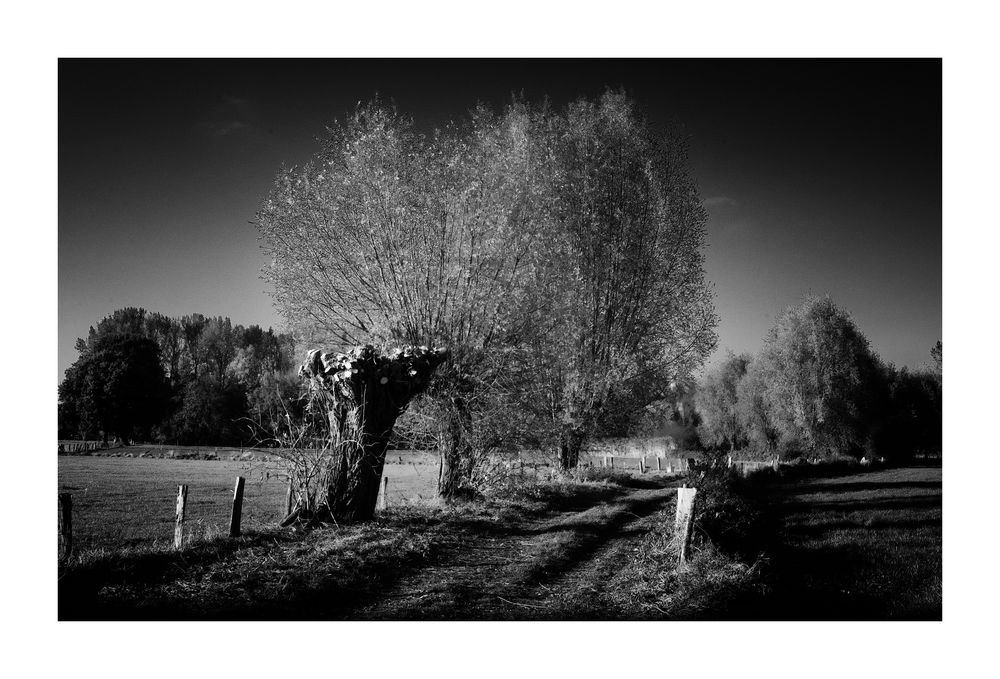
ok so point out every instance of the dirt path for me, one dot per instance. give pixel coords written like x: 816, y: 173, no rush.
x: 527, y: 571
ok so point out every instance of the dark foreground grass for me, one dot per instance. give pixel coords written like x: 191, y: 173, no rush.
x: 857, y: 546
x: 265, y: 575
x: 865, y: 546
x: 861, y: 546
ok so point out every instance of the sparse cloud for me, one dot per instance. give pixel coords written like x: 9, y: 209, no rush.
x: 230, y: 116
x: 719, y: 201
x: 222, y: 128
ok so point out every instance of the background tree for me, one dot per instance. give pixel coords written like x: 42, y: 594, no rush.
x: 914, y: 415
x: 824, y: 387
x: 717, y: 401
x: 167, y: 333
x: 212, y: 366
x: 116, y: 387
x: 755, y: 410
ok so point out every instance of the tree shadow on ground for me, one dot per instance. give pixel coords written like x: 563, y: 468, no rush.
x: 861, y: 486
x: 576, y: 541
x: 872, y: 557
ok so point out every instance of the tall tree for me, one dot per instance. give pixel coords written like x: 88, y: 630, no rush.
x: 621, y: 291
x: 824, y: 385
x: 192, y: 328
x: 219, y: 346
x: 168, y: 335
x: 391, y: 237
x: 755, y: 411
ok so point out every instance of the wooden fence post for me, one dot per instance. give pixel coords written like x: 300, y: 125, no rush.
x: 642, y: 465
x: 684, y: 520
x: 234, y: 521
x: 288, y: 496
x: 612, y: 459
x: 383, y: 499
x: 65, y: 526
x: 659, y: 466
x: 182, y: 493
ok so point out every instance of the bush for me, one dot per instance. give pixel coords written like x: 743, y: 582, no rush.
x: 726, y: 516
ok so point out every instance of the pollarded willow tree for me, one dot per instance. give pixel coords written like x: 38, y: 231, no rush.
x: 622, y: 296
x: 389, y: 238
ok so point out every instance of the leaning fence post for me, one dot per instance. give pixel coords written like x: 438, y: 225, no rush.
x: 684, y: 520
x: 65, y: 525
x: 182, y: 492
x: 383, y: 499
x: 234, y: 521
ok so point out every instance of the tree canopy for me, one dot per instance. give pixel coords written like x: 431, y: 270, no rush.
x: 117, y: 386
x: 218, y: 377
x: 556, y: 254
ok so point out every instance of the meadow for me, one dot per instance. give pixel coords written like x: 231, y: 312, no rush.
x: 126, y: 497
x: 857, y: 546
x: 122, y: 502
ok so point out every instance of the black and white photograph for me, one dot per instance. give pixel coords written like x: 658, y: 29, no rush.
x: 508, y: 339
x: 530, y: 339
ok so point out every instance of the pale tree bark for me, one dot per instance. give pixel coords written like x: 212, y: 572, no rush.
x: 367, y: 392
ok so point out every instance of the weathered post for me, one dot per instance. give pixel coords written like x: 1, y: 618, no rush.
x: 182, y: 492
x: 234, y: 521
x: 642, y: 465
x: 65, y: 526
x: 383, y: 497
x: 684, y: 520
x: 611, y: 458
x: 659, y: 466
x: 289, y: 495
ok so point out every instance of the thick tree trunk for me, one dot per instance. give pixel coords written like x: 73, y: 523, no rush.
x: 369, y: 392
x: 453, y: 452
x: 570, y: 443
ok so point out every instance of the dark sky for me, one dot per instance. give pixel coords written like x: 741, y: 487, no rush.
x: 820, y: 176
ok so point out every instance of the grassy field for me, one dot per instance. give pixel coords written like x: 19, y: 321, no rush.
x: 863, y: 546
x: 129, y: 502
x: 125, y: 497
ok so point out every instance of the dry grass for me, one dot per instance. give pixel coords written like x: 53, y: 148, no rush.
x: 123, y: 503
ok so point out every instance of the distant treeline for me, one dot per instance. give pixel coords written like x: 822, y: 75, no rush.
x: 191, y: 380
x: 817, y: 389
